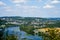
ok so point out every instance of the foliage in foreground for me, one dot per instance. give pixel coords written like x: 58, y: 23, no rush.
x: 12, y: 37
x: 51, y: 34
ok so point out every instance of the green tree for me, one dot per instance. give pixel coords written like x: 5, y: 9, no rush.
x: 28, y: 29
x: 2, y: 22
x: 11, y: 37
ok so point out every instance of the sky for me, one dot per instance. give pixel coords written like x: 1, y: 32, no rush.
x: 30, y: 8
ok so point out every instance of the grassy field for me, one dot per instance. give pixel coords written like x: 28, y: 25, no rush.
x: 46, y: 29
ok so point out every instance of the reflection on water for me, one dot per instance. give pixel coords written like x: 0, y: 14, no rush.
x: 20, y: 34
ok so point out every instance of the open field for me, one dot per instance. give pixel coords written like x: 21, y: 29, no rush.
x: 46, y: 29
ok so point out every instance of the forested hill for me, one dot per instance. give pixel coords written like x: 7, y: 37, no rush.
x: 19, y: 17
x: 32, y: 21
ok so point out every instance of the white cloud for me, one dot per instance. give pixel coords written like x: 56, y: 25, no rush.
x: 39, y: 0
x: 18, y: 5
x: 8, y: 8
x: 30, y: 7
x: 2, y: 3
x: 55, y: 1
x: 48, y: 6
x: 18, y: 1
x: 27, y: 7
x: 35, y: 7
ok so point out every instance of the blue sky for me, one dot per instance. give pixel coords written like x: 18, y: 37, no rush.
x: 30, y: 8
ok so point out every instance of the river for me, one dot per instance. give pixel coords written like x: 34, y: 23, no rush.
x: 20, y: 34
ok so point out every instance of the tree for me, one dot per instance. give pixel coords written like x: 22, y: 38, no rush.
x: 28, y: 29
x: 11, y: 37
x: 51, y: 34
x: 2, y: 22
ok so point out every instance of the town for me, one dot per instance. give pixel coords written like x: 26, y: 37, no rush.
x: 30, y: 25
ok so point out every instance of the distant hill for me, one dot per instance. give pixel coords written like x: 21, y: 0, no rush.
x: 30, y: 18
x: 37, y: 21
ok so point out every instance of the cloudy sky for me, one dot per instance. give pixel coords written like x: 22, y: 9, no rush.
x: 30, y: 8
